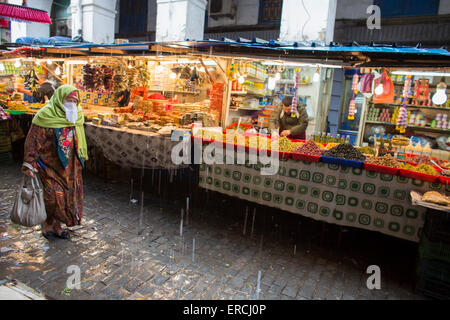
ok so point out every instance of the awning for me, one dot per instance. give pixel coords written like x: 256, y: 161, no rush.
x: 23, y: 14
x: 351, y: 55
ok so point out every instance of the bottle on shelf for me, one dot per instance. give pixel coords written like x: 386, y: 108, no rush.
x: 347, y: 139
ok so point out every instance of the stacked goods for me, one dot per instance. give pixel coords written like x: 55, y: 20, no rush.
x: 309, y: 148
x: 373, y: 114
x: 400, y: 141
x: 387, y: 161
x: 345, y: 151
x: 367, y: 151
x: 385, y: 116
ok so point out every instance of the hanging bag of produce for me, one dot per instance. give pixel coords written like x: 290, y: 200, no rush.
x: 366, y: 83
x: 384, y: 89
x: 29, y: 207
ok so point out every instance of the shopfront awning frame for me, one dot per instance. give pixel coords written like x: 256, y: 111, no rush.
x: 344, y: 55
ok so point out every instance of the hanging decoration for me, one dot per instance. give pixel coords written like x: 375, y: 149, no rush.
x: 294, y: 99
x: 422, y: 95
x: 352, y: 106
x: 384, y: 89
x: 31, y: 80
x: 402, y: 120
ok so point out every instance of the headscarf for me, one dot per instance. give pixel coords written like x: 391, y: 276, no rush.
x: 53, y: 115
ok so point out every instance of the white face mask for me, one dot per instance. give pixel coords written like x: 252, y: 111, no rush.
x: 71, y: 111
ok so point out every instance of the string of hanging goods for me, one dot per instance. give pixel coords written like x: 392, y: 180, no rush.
x: 352, y: 106
x: 402, y: 120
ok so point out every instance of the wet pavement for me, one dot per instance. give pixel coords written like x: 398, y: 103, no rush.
x: 206, y: 256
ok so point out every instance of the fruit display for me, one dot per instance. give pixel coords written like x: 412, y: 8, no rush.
x: 309, y: 148
x: 387, y: 160
x: 420, y: 159
x: 422, y: 168
x: 287, y: 145
x: 328, y: 146
x: 345, y: 151
x: 367, y: 151
x: 17, y: 106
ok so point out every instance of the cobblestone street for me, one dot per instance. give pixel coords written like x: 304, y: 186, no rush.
x: 211, y: 260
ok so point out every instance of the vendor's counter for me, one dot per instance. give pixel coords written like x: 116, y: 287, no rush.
x: 132, y: 148
x: 341, y: 195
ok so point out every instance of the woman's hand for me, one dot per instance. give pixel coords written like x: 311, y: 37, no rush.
x: 30, y: 173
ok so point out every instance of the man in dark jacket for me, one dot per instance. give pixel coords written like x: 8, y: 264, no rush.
x: 44, y: 91
x: 291, y: 125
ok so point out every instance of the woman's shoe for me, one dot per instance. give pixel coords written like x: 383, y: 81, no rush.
x: 49, y: 235
x: 63, y: 235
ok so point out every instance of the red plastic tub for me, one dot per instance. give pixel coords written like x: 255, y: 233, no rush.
x: 418, y: 175
x: 444, y: 180
x: 305, y: 157
x: 381, y: 169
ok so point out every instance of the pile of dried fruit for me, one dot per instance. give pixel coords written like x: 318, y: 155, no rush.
x: 387, y: 160
x: 345, y: 151
x: 420, y: 159
x: 422, y: 168
x: 309, y: 148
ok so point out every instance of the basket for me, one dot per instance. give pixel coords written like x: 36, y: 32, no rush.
x: 434, y: 250
x: 381, y: 169
x: 305, y: 157
x: 16, y: 112
x: 437, y: 226
x: 434, y: 269
x: 342, y: 162
x: 433, y: 288
x: 418, y: 175
x: 282, y: 154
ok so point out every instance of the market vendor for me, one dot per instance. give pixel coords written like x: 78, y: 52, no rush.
x: 44, y: 91
x: 291, y: 124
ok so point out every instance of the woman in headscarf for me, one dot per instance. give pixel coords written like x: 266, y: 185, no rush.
x: 56, y: 148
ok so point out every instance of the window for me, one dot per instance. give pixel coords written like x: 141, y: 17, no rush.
x: 398, y: 8
x: 270, y: 11
x: 133, y: 16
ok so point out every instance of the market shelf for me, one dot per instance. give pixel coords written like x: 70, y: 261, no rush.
x: 174, y: 91
x: 411, y: 126
x: 239, y: 92
x: 410, y: 106
x: 378, y: 122
x: 429, y: 129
